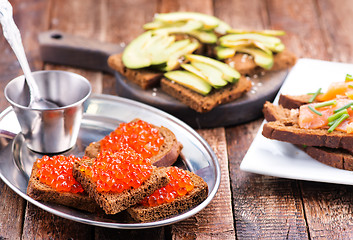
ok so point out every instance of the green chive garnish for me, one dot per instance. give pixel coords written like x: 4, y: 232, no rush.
x: 315, y: 111
x: 351, y: 86
x: 338, y: 122
x: 333, y: 117
x: 315, y: 95
x: 324, y: 104
x: 344, y: 107
x: 349, y: 78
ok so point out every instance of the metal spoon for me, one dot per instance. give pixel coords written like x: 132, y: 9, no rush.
x: 13, y: 36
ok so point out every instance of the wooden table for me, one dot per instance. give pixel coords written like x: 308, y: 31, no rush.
x: 246, y: 205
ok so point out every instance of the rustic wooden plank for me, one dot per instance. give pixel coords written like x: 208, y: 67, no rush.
x: 264, y: 207
x: 216, y: 220
x: 329, y: 210
x: 82, y: 18
x: 328, y: 207
x: 12, y: 206
x: 40, y: 224
x: 185, y: 5
x: 304, y: 33
x: 123, y: 22
x: 335, y: 19
x: 250, y: 14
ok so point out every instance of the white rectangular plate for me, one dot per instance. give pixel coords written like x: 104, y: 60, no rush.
x: 279, y: 159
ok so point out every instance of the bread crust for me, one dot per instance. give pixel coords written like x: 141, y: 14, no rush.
x: 206, y: 103
x: 290, y: 102
x: 145, y: 78
x: 167, y: 156
x: 42, y: 192
x: 113, y: 203
x: 195, y: 197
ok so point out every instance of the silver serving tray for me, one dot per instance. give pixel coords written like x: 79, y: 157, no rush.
x: 102, y: 114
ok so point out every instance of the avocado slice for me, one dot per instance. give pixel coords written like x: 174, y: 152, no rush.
x: 213, y: 75
x: 157, y: 47
x: 251, y: 36
x: 190, y: 81
x: 134, y: 56
x: 224, y: 52
x: 177, y: 46
x: 268, y: 32
x: 229, y: 73
x: 174, y: 59
x: 158, y: 24
x: 194, y: 70
x: 261, y: 58
x: 222, y: 28
x: 209, y: 22
x: 204, y: 36
x: 185, y: 28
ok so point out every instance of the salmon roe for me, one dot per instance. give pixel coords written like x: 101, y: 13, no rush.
x: 120, y: 170
x: 179, y: 185
x: 56, y: 172
x: 139, y: 135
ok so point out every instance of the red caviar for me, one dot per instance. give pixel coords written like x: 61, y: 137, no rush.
x: 179, y: 185
x: 115, y: 172
x: 139, y: 135
x: 56, y: 172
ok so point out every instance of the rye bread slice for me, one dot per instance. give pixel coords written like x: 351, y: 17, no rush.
x: 246, y: 65
x: 206, y: 103
x: 290, y: 102
x: 292, y: 133
x: 195, y: 197
x: 145, y: 78
x: 42, y: 192
x: 113, y: 203
x: 334, y: 157
x: 167, y: 155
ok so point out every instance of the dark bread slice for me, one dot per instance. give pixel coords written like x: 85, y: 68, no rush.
x: 113, y: 203
x: 289, y: 101
x: 279, y: 113
x: 42, y: 192
x: 246, y: 65
x: 145, y: 78
x: 167, y: 155
x: 338, y: 158
x: 196, y: 196
x: 334, y: 157
x: 206, y: 103
x: 292, y: 133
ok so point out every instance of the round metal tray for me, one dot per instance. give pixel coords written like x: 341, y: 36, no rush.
x: 102, y: 115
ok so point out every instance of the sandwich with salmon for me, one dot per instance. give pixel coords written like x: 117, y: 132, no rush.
x: 322, y: 125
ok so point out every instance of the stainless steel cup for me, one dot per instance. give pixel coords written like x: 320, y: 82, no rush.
x: 50, y: 130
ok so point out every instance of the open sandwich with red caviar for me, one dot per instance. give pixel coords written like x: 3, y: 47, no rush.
x: 119, y: 173
x: 319, y: 123
x: 199, y: 59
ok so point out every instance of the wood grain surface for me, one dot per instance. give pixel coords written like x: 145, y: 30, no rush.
x: 247, y: 206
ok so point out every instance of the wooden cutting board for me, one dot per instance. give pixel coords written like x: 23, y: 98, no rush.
x: 65, y: 49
